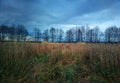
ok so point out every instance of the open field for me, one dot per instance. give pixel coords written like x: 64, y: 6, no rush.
x: 59, y: 63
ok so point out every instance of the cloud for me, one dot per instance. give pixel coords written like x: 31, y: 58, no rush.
x: 44, y: 13
x: 102, y: 18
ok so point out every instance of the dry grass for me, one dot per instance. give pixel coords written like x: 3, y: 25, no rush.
x: 16, y: 62
x: 59, y: 63
x: 109, y: 54
x: 64, y: 48
x: 99, y: 61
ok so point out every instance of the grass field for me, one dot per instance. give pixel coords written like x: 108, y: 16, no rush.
x: 59, y: 63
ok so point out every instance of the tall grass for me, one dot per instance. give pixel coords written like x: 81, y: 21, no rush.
x: 59, y: 63
x: 16, y: 62
x: 90, y: 62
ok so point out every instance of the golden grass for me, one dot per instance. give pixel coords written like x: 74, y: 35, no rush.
x: 106, y: 54
x: 60, y: 62
x: 97, y: 61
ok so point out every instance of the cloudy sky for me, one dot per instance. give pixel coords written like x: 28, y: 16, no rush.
x: 60, y: 13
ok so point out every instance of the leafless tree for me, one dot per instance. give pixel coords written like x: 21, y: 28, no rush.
x: 78, y: 34
x: 46, y: 35
x: 37, y: 34
x: 61, y: 32
x: 52, y: 34
x: 70, y: 35
x: 21, y: 33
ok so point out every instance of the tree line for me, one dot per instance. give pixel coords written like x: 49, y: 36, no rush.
x: 76, y: 34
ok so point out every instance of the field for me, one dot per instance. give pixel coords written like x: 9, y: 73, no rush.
x: 59, y: 63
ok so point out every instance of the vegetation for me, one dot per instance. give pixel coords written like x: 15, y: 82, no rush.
x: 59, y: 63
x: 16, y: 62
x: 76, y: 34
x: 80, y: 55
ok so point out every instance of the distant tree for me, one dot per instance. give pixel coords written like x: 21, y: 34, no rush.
x: 37, y: 33
x: 84, y: 30
x: 57, y: 35
x: 89, y: 35
x: 107, y: 35
x: 12, y: 31
x: 92, y: 35
x: 112, y: 34
x: 46, y: 35
x: 4, y: 32
x: 115, y: 33
x: 52, y: 34
x: 40, y: 35
x: 119, y: 34
x: 21, y: 32
x: 61, y: 32
x: 96, y: 34
x: 0, y: 34
x: 70, y: 35
x: 101, y: 37
x: 78, y: 34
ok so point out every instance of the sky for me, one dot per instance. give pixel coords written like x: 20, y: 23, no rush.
x: 64, y: 14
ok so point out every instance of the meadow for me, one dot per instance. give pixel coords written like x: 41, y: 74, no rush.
x: 22, y: 62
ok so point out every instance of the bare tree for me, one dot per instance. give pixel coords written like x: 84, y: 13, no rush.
x: 0, y: 34
x: 87, y: 28
x: 52, y: 34
x: 92, y: 35
x: 4, y: 32
x: 112, y: 34
x: 70, y: 35
x: 96, y: 34
x: 78, y: 35
x: 83, y: 30
x: 89, y: 35
x: 46, y: 35
x: 115, y: 32
x: 21, y: 32
x: 61, y: 32
x: 37, y: 33
x: 101, y: 37
x: 119, y: 34
x: 12, y: 31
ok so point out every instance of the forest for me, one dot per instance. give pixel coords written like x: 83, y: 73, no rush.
x: 75, y: 34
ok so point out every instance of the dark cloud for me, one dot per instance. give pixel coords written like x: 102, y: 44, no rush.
x: 47, y: 12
